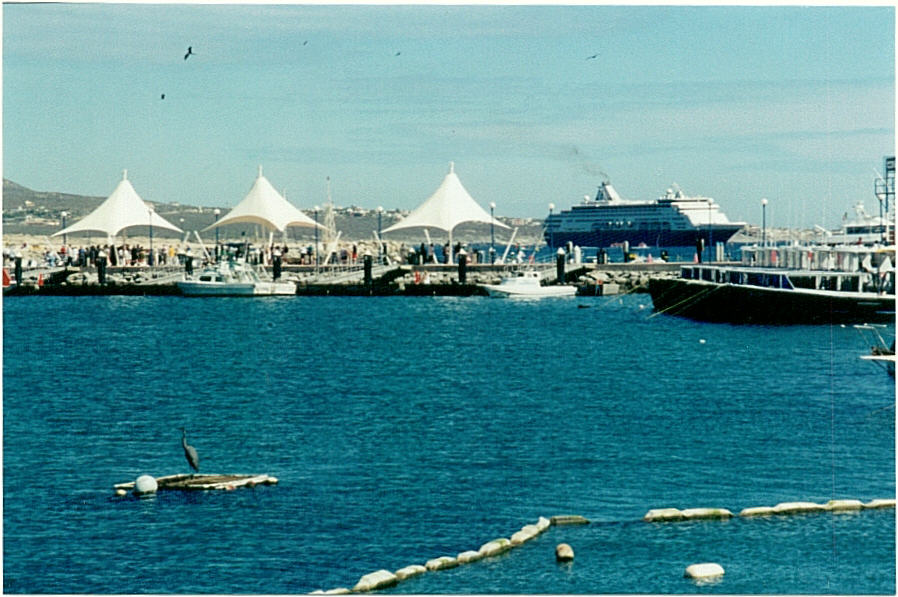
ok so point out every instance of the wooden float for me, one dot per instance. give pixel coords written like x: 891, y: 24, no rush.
x: 185, y: 482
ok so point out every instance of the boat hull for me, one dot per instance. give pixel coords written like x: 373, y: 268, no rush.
x: 504, y: 291
x: 731, y: 303
x: 197, y: 288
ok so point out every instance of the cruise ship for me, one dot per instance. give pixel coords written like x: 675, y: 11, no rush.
x: 673, y: 220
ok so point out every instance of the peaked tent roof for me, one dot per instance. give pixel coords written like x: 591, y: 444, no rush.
x: 449, y: 206
x: 265, y: 206
x: 122, y: 209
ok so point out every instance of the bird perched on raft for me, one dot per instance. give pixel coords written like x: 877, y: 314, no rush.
x: 190, y: 454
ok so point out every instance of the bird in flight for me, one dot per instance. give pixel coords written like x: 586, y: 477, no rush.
x: 305, y: 42
x: 397, y: 53
x: 189, y: 52
x: 163, y: 96
x: 593, y: 57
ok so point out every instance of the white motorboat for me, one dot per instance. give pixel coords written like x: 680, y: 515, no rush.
x: 526, y: 284
x: 233, y: 278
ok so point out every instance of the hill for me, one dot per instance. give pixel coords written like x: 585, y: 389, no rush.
x: 38, y: 213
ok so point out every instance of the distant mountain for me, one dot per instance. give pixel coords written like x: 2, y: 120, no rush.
x: 26, y: 211
x: 15, y: 197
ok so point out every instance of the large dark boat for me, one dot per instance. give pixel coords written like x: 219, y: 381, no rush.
x: 786, y: 285
x: 673, y: 220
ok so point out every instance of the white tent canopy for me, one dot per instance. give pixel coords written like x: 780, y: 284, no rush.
x: 449, y: 206
x: 122, y: 209
x: 263, y: 205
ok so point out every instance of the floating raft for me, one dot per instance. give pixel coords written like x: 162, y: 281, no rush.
x: 187, y: 482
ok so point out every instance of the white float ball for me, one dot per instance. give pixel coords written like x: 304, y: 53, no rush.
x: 145, y: 484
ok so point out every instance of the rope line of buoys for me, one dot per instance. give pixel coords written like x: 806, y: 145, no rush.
x: 781, y: 509
x: 702, y: 572
x: 382, y: 579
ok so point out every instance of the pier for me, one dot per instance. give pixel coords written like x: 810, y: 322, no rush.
x: 386, y: 280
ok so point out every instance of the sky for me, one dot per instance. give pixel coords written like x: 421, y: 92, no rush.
x: 795, y: 104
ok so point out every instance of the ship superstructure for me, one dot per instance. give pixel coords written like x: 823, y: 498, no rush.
x: 673, y: 220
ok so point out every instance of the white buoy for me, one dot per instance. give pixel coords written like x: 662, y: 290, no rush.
x: 466, y: 557
x: 697, y: 513
x: 441, y: 563
x: 701, y: 341
x: 844, y: 505
x: 798, y: 508
x: 145, y: 484
x: 706, y: 571
x: 527, y: 533
x: 757, y: 511
x: 495, y: 547
x: 410, y: 571
x: 564, y: 553
x: 663, y: 515
x: 375, y: 580
x: 880, y: 503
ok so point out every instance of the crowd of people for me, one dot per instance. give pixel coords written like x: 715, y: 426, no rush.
x: 35, y: 256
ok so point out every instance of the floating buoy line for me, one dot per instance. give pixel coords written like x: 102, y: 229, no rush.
x: 381, y: 579
x: 700, y: 573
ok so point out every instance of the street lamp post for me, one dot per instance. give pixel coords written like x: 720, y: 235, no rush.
x: 492, y: 233
x: 710, y: 235
x: 764, y: 222
x: 316, y: 240
x: 151, y: 260
x: 380, y: 244
x: 216, y: 212
x: 65, y: 241
x: 552, y: 233
x: 882, y: 225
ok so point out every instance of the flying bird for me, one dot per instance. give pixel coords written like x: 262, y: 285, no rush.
x: 190, y: 454
x: 397, y: 53
x: 593, y: 57
x: 163, y: 96
x: 189, y: 52
x: 305, y: 42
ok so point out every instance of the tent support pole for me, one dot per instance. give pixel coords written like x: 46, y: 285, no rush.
x: 508, y: 246
x: 202, y: 245
x: 450, y: 247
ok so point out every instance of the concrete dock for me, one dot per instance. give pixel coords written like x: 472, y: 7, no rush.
x: 387, y: 280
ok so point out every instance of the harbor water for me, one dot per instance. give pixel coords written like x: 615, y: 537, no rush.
x: 403, y: 429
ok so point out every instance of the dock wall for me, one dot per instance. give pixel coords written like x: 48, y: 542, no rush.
x: 404, y: 280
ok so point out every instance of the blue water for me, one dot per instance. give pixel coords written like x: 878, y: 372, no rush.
x: 404, y: 429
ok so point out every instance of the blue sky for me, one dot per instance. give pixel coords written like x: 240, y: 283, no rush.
x: 795, y: 104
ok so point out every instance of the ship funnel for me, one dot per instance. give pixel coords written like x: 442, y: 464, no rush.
x: 607, y: 193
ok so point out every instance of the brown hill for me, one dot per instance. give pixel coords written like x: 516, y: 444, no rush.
x: 26, y: 211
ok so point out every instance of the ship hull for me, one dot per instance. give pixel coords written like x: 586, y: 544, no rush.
x: 651, y: 238
x: 730, y: 303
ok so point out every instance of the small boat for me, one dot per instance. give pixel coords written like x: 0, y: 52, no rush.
x: 880, y: 353
x: 233, y: 278
x: 526, y: 284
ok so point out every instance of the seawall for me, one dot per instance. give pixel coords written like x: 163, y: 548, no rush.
x: 401, y: 280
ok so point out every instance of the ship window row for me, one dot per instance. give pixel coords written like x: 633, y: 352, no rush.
x: 620, y: 224
x: 864, y: 229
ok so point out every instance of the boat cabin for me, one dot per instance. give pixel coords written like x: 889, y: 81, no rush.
x: 844, y: 269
